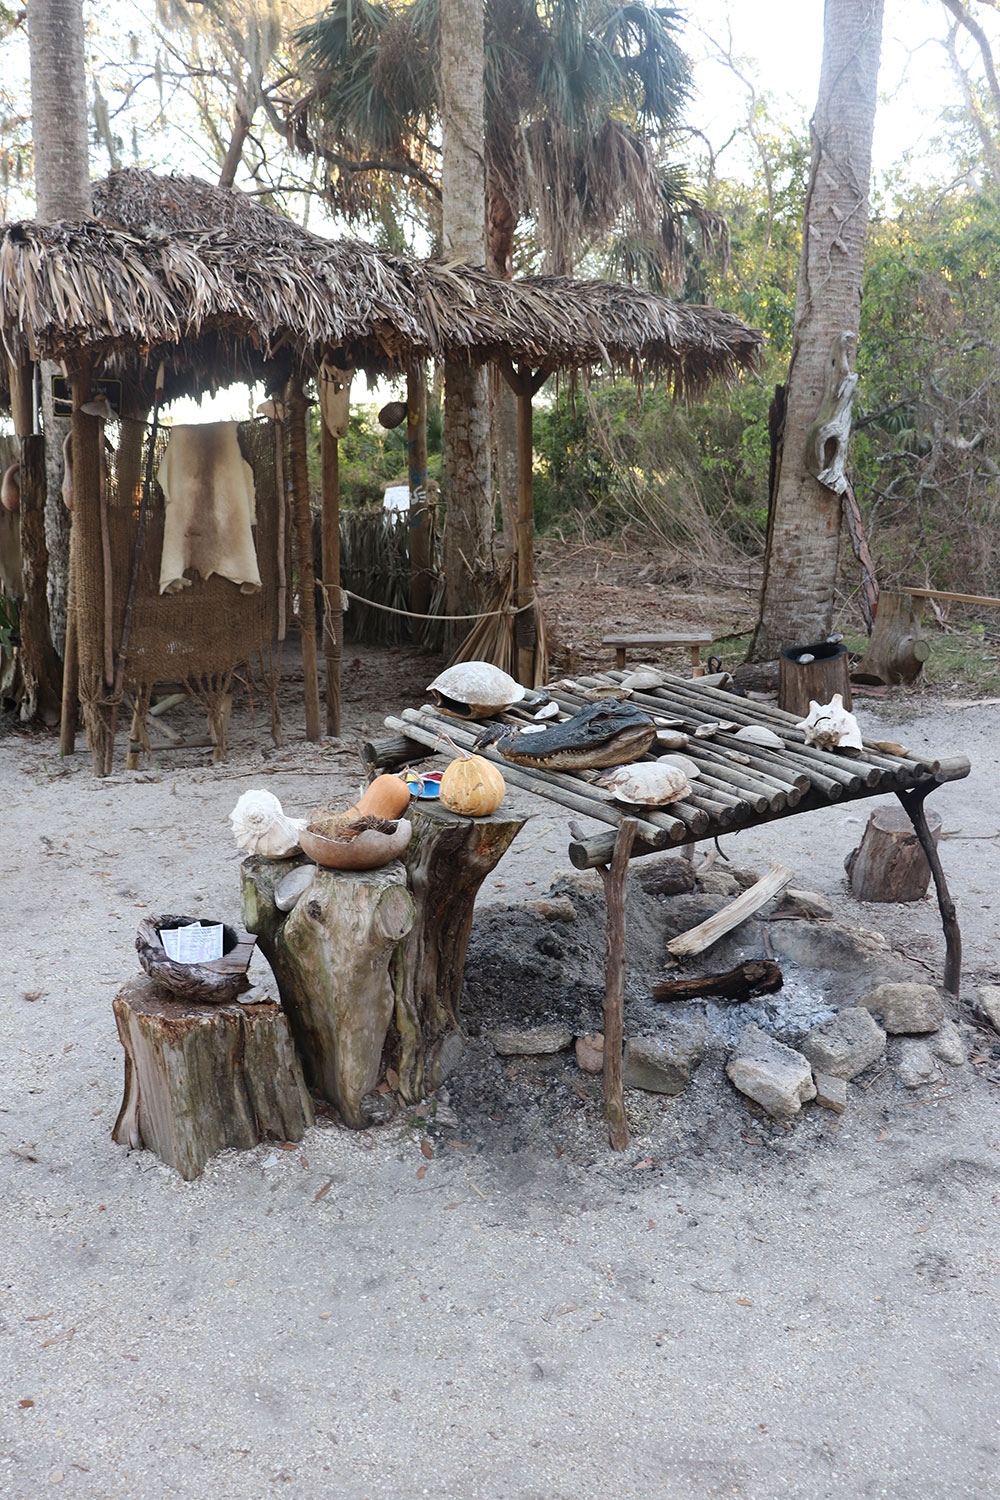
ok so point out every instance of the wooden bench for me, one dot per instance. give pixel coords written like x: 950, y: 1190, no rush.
x: 624, y: 643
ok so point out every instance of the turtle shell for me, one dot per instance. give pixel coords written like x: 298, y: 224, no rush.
x: 475, y: 690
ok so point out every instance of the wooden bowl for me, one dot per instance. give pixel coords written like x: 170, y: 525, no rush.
x: 367, y: 851
x: 214, y: 983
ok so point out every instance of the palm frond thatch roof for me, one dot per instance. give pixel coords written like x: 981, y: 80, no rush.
x: 221, y: 284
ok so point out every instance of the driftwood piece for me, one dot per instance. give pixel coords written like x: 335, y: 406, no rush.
x: 825, y: 454
x: 614, y: 876
x: 333, y: 956
x: 201, y: 1078
x: 697, y: 939
x: 447, y: 861
x: 755, y: 976
x: 897, y: 650
x: 889, y: 863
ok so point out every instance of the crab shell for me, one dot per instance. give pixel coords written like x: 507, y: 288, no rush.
x: 647, y: 783
x: 475, y: 690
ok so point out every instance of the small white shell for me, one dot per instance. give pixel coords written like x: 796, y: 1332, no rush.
x: 548, y: 711
x: 671, y: 739
x: 668, y: 723
x: 533, y: 729
x: 683, y: 763
x: 647, y: 783
x: 472, y: 688
x: 829, y: 726
x: 758, y: 734
x: 805, y: 659
x: 260, y: 826
x: 704, y: 731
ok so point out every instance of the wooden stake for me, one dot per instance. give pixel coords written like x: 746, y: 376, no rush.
x: 303, y: 554
x: 333, y: 614
x: 913, y: 802
x: 421, y: 529
x: 614, y: 876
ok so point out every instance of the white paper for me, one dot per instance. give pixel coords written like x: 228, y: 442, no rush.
x: 192, y: 945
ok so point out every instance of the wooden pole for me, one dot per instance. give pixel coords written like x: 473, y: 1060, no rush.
x: 333, y: 614
x: 421, y: 529
x: 614, y: 876
x: 22, y: 405
x: 913, y: 802
x: 525, y: 629
x: 303, y: 553
x: 40, y: 665
x: 87, y: 568
x: 71, y: 670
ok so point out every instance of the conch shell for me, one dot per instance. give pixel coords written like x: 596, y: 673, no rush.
x: 829, y: 726
x: 260, y: 826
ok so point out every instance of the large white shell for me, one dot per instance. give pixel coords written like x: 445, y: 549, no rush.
x: 682, y: 763
x: 829, y: 726
x: 647, y: 783
x: 260, y: 826
x: 643, y: 677
x: 472, y: 688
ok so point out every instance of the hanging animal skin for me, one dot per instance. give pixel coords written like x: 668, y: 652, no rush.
x: 335, y: 396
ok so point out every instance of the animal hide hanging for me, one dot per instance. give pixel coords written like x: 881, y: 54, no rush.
x: 335, y: 396
x: 208, y: 491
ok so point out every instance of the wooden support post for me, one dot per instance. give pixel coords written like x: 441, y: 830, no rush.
x: 303, y: 553
x: 22, y: 404
x: 525, y: 631
x: 87, y: 570
x: 333, y: 957
x: 421, y: 527
x: 201, y: 1078
x: 40, y: 666
x: 333, y: 614
x: 614, y: 876
x: 71, y: 671
x: 447, y: 861
x: 913, y: 802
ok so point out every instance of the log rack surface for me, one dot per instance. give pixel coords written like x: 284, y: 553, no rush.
x: 742, y: 785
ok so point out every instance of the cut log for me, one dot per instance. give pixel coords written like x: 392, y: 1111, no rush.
x: 201, y: 1078
x: 803, y: 682
x: 897, y: 650
x: 889, y: 864
x: 448, y: 859
x: 697, y: 939
x: 756, y: 976
x: 333, y: 956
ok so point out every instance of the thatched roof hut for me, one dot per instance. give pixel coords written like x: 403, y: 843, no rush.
x: 230, y: 286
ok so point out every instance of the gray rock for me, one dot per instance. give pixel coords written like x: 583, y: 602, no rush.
x: 777, y: 1077
x: 663, y: 1064
x: 989, y: 1004
x: 845, y: 1044
x: 831, y: 1092
x: 906, y: 1009
x: 947, y: 1044
x: 915, y: 1065
x: 554, y: 908
x: 805, y: 903
x: 530, y: 1041
x: 719, y: 883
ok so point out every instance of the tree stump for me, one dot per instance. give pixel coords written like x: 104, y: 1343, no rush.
x: 897, y: 650
x: 889, y: 864
x: 333, y: 957
x: 200, y: 1078
x: 447, y: 861
x: 803, y: 682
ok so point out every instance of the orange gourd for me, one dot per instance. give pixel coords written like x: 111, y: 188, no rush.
x: 386, y: 797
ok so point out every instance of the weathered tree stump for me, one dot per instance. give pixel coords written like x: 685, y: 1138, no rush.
x: 201, y: 1078
x: 447, y: 861
x: 889, y: 864
x: 803, y: 682
x: 333, y: 956
x: 897, y: 650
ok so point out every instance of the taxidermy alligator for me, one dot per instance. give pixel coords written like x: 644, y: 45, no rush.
x: 607, y: 733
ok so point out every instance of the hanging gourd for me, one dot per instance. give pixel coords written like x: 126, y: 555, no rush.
x: 472, y: 785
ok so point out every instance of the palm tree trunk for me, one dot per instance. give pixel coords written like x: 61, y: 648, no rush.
x: 803, y: 541
x: 467, y: 544
x: 62, y: 191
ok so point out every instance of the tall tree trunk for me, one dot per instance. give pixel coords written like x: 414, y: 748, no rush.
x: 468, y: 529
x: 62, y: 190
x: 800, y: 566
x: 501, y: 222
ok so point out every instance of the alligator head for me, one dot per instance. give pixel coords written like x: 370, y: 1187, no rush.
x: 607, y: 733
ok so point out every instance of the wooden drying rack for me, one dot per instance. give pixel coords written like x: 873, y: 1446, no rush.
x: 741, y: 785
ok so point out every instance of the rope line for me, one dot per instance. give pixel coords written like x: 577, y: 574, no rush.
x: 410, y: 614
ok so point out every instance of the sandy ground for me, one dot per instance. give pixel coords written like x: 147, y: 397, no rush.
x: 735, y: 1309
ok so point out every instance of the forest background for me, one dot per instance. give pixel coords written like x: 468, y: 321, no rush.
x: 180, y: 86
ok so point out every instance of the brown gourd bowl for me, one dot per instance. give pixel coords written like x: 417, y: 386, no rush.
x: 367, y: 851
